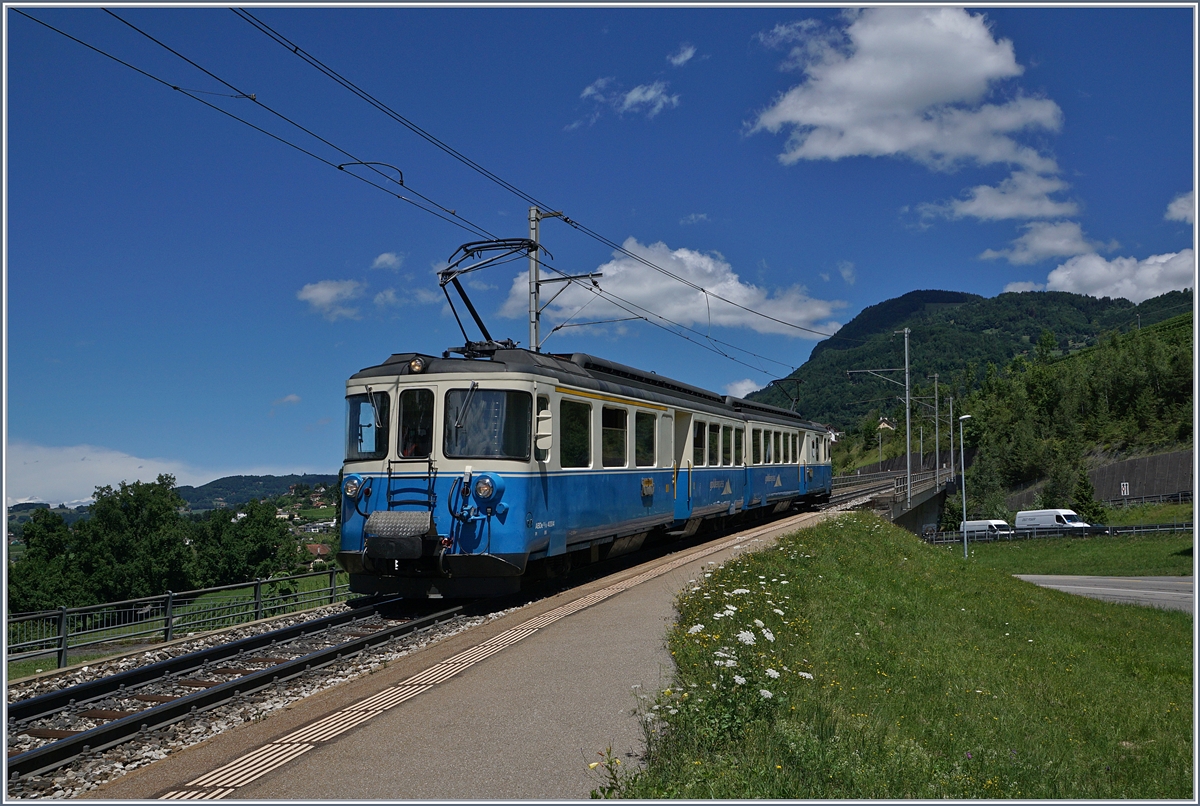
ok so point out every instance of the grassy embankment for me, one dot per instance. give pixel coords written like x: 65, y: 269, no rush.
x: 853, y: 661
x: 1100, y: 555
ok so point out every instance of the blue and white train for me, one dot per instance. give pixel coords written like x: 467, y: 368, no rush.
x: 464, y: 475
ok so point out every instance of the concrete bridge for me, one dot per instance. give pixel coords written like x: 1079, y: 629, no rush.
x: 888, y: 494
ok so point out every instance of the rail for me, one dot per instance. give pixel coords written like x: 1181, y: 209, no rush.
x: 162, y: 618
x: 1183, y: 497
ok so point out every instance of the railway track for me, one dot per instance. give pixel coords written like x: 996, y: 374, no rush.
x: 49, y: 731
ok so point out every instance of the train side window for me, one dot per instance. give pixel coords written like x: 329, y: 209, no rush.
x: 576, y: 421
x: 714, y: 444
x: 614, y: 436
x: 698, y: 445
x: 543, y: 404
x: 738, y: 434
x: 768, y: 456
x: 756, y: 446
x: 643, y: 439
x: 416, y: 423
x: 777, y: 443
x: 727, y: 446
x: 787, y: 448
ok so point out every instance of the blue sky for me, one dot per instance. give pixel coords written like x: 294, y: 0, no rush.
x: 187, y: 295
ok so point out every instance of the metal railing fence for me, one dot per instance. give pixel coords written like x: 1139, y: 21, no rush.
x: 171, y: 615
x: 1032, y: 534
x: 1183, y: 497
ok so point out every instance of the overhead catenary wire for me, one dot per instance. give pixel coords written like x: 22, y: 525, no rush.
x: 349, y: 85
x: 460, y: 222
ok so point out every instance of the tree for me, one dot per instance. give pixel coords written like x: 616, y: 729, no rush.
x: 47, y: 577
x: 234, y: 547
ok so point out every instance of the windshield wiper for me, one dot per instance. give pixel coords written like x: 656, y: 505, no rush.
x: 462, y: 412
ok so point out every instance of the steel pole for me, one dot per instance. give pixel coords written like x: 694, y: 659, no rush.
x: 963, y: 452
x: 534, y: 302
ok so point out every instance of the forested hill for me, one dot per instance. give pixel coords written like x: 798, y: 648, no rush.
x: 235, y: 490
x: 955, y: 335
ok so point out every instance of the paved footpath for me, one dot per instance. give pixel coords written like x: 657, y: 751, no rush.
x: 515, y: 709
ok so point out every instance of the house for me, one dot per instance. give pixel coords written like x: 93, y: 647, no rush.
x: 318, y: 550
x: 884, y: 422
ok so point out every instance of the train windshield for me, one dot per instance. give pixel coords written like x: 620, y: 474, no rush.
x: 367, y: 426
x: 488, y: 423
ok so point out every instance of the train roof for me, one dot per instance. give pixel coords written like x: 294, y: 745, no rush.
x: 589, y: 371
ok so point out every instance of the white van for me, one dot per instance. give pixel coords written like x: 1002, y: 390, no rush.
x: 1062, y: 519
x: 986, y: 529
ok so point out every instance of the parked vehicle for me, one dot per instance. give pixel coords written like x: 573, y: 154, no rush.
x: 989, y: 529
x: 1061, y: 519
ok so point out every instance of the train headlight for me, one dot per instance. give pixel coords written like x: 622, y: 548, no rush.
x: 484, y: 488
x: 488, y: 489
x: 416, y: 366
x: 352, y: 486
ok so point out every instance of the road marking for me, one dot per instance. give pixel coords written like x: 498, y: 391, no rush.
x: 225, y: 780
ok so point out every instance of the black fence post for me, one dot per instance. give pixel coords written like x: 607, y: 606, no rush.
x: 169, y: 617
x: 258, y: 604
x: 62, y: 636
x: 332, y: 585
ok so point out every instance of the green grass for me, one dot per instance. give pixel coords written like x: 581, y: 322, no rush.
x: 1148, y: 514
x: 322, y: 514
x: 931, y: 677
x: 1099, y: 555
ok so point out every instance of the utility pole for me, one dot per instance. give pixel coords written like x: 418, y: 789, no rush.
x: 535, y: 219
x: 907, y: 412
x: 907, y: 423
x: 952, y: 437
x: 937, y: 437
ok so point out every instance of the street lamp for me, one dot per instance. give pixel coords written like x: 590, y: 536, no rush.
x: 963, y: 454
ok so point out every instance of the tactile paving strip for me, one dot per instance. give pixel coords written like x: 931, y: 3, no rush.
x: 224, y: 781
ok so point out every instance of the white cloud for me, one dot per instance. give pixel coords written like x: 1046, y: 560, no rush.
x: 909, y: 82
x: 1182, y: 208
x: 683, y: 55
x: 846, y: 269
x: 1044, y: 240
x: 387, y: 298
x: 605, y: 93
x: 742, y: 388
x: 1024, y: 286
x: 329, y: 298
x: 286, y: 400
x: 1024, y: 194
x: 388, y: 260
x: 824, y: 276
x: 71, y: 474
x: 652, y: 98
x: 694, y: 218
x: 635, y: 282
x: 1135, y: 280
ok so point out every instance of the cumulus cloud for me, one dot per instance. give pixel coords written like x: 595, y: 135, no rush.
x: 633, y: 281
x: 694, y: 218
x: 683, y: 55
x: 1024, y: 286
x: 906, y: 81
x: 388, y: 260
x: 1043, y: 239
x: 742, y: 388
x: 846, y: 269
x: 330, y: 298
x: 71, y: 474
x: 1024, y: 195
x: 1182, y: 208
x: 1135, y: 280
x: 286, y: 400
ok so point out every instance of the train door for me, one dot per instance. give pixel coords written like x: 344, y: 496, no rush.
x: 682, y: 486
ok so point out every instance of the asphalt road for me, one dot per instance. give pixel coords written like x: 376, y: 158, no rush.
x: 1173, y: 593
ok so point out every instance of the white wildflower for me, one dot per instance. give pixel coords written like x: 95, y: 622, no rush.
x: 719, y: 654
x: 695, y: 629
x: 805, y: 675
x: 729, y: 664
x: 758, y: 623
x: 766, y: 695
x: 746, y: 637
x: 770, y: 636
x: 771, y: 673
x: 739, y: 590
x: 777, y: 610
x: 737, y: 678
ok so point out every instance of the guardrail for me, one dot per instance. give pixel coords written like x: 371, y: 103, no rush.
x: 161, y: 618
x: 1032, y: 534
x: 1183, y: 497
